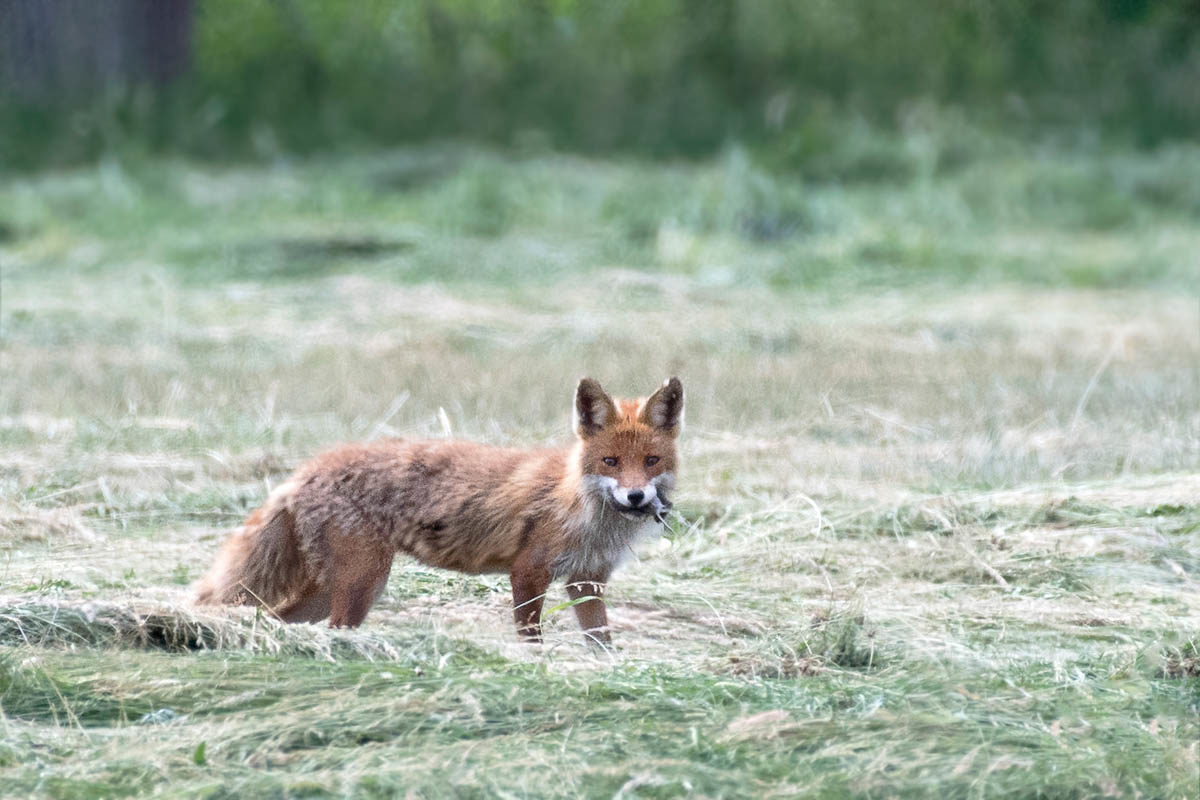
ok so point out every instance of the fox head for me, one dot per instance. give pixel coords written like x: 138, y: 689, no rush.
x: 627, y: 447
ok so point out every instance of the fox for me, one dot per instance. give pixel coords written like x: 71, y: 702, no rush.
x: 323, y: 543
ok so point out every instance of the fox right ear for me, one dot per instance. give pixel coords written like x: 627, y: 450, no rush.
x: 664, y: 408
x: 593, y: 408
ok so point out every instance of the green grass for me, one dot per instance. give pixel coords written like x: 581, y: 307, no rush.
x: 938, y: 522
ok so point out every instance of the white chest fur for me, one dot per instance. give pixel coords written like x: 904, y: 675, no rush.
x: 599, y: 547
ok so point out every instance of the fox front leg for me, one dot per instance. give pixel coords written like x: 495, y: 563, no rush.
x: 588, y: 597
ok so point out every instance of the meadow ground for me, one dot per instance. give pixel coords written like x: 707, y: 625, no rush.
x: 938, y: 531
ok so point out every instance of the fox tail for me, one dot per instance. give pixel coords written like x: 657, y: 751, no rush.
x: 261, y: 564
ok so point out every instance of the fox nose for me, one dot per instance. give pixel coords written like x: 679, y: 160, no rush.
x: 636, y: 497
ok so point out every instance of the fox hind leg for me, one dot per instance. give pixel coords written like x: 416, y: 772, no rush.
x: 358, y: 581
x: 311, y: 605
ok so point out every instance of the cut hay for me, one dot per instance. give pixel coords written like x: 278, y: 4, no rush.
x: 87, y: 624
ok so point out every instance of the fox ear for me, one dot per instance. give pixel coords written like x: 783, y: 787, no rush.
x: 664, y: 408
x: 593, y: 408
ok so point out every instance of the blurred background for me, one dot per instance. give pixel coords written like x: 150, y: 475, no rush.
x: 823, y: 88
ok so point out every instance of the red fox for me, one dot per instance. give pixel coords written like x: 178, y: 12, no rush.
x: 323, y: 543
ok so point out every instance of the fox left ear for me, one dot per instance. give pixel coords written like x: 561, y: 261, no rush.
x: 594, y: 409
x: 664, y: 408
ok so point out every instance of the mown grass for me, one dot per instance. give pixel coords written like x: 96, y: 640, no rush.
x: 937, y: 527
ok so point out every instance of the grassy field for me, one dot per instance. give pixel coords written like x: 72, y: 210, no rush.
x: 938, y: 531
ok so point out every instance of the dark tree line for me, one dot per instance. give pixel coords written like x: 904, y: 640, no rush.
x: 215, y: 77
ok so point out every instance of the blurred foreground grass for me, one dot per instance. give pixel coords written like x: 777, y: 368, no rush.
x: 939, y: 523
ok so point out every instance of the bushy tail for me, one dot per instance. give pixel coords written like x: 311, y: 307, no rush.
x: 261, y: 563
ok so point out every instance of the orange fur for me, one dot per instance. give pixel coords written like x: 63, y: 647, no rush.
x: 323, y: 543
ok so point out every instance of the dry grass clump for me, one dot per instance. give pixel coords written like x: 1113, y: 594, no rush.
x: 836, y: 637
x: 74, y: 624
x: 1183, y: 661
x: 774, y: 658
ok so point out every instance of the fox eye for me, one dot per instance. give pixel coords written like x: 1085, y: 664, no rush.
x: 610, y: 461
x: 651, y: 461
